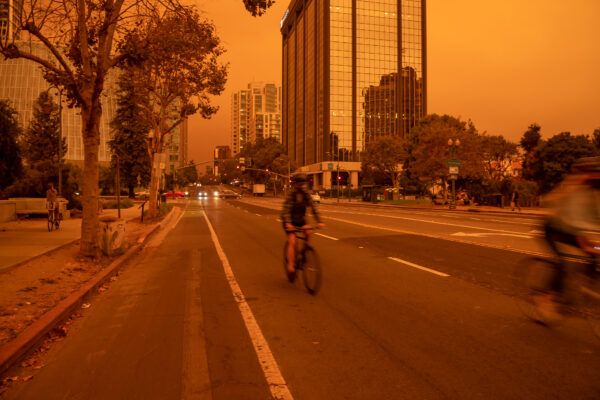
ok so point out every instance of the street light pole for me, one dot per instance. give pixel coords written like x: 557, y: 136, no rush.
x: 453, y: 165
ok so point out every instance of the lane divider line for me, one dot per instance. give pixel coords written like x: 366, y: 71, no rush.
x: 433, y: 271
x: 325, y: 236
x: 271, y: 371
x: 259, y: 215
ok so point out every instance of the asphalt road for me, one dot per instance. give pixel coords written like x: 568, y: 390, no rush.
x: 380, y: 328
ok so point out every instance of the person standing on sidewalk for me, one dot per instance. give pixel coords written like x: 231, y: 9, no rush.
x: 515, y: 200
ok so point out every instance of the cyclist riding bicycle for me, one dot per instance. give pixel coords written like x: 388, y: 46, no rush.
x: 576, y: 214
x: 51, y: 200
x: 293, y: 217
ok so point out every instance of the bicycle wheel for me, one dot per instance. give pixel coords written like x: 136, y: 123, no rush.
x: 311, y: 270
x: 50, y: 221
x: 533, y: 279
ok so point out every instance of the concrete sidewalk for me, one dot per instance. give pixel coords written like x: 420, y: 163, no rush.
x: 25, y: 239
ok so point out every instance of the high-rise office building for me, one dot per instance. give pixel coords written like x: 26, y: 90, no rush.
x: 22, y: 81
x: 176, y: 147
x: 353, y: 70
x: 255, y: 113
x: 9, y: 18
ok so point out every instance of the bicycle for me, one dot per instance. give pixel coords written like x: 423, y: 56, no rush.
x: 54, y: 217
x: 307, y: 261
x: 580, y: 296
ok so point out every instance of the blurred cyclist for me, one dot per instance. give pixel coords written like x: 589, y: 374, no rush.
x: 51, y: 196
x: 293, y: 217
x: 576, y: 214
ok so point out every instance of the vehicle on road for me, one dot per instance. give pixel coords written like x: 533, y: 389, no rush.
x: 203, y: 194
x: 175, y: 195
x: 229, y: 194
x: 316, y: 197
x: 307, y: 261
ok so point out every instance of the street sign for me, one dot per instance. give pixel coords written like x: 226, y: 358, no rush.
x: 242, y: 160
x: 454, y: 163
x: 453, y: 170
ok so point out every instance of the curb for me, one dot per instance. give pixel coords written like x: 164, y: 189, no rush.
x: 30, y: 338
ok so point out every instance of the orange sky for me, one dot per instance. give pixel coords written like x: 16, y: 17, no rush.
x: 502, y: 64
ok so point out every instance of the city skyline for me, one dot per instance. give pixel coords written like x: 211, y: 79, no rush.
x: 467, y: 72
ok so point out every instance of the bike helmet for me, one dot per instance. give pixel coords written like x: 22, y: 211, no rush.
x: 299, y: 178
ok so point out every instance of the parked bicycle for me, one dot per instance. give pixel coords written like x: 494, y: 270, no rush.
x: 54, y: 215
x: 580, y: 295
x: 307, y: 261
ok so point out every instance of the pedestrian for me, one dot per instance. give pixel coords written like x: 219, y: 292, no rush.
x: 515, y: 201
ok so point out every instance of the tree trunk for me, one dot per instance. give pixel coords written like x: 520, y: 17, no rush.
x: 90, y: 225
x: 154, y: 183
x: 131, y: 193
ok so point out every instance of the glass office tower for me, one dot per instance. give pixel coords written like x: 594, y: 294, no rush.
x: 353, y: 70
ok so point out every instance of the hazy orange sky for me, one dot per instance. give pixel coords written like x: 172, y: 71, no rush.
x: 502, y: 64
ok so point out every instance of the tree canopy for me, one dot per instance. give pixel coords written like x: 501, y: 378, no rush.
x: 10, y: 163
x: 173, y: 62
x: 430, y: 150
x: 129, y: 139
x: 383, y: 159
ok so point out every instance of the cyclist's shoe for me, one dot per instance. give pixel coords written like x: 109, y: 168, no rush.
x: 291, y: 276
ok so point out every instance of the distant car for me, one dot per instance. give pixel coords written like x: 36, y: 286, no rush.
x: 229, y: 194
x: 175, y: 195
x: 315, y: 197
x: 202, y: 194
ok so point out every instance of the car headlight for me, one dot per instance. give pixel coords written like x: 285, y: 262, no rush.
x: 215, y: 194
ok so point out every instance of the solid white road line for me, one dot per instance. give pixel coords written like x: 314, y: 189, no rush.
x: 328, y: 237
x: 433, y: 271
x: 275, y: 380
x: 258, y: 215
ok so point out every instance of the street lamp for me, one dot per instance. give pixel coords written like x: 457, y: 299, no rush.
x: 453, y: 165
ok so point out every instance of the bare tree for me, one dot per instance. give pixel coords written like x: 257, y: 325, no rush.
x: 173, y: 60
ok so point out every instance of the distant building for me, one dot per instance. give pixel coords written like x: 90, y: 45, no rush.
x: 255, y: 113
x: 22, y: 81
x: 9, y: 18
x: 176, y: 147
x: 352, y: 70
x: 221, y: 154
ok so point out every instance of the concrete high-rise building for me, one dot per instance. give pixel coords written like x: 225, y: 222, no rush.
x: 176, y: 147
x: 255, y: 113
x: 352, y: 70
x: 22, y: 81
x: 9, y: 18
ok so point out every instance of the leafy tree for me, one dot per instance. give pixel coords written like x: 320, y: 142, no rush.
x: 229, y: 170
x: 556, y: 156
x: 383, y: 159
x: 596, y: 138
x: 258, y: 7
x: 80, y: 37
x: 530, y: 142
x: 188, y: 174
x: 40, y: 142
x: 430, y: 152
x: 174, y: 62
x: 263, y: 154
x: 497, y: 155
x: 10, y: 162
x: 130, y: 134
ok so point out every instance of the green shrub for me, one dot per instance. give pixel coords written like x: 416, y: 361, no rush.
x: 111, y: 204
